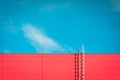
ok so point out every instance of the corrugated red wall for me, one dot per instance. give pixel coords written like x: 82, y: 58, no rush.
x: 58, y: 67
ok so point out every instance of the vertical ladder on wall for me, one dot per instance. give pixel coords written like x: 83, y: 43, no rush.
x: 79, y: 64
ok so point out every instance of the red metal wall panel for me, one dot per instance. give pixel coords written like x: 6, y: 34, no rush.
x: 58, y: 67
x: 1, y: 66
x: 102, y: 67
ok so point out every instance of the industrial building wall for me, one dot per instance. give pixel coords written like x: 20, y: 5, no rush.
x: 58, y: 67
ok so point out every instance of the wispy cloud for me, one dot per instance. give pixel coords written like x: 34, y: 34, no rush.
x: 22, y: 2
x: 67, y: 4
x: 49, y: 7
x: 115, y: 5
x: 6, y: 51
x: 40, y: 41
x: 54, y: 6
x: 9, y: 26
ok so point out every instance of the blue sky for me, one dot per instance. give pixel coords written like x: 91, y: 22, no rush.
x: 52, y: 26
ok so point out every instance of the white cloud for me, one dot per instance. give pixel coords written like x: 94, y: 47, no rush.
x: 23, y: 2
x: 67, y: 4
x: 40, y: 41
x: 10, y: 26
x: 12, y: 29
x: 49, y: 7
x: 115, y: 5
x: 6, y: 51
